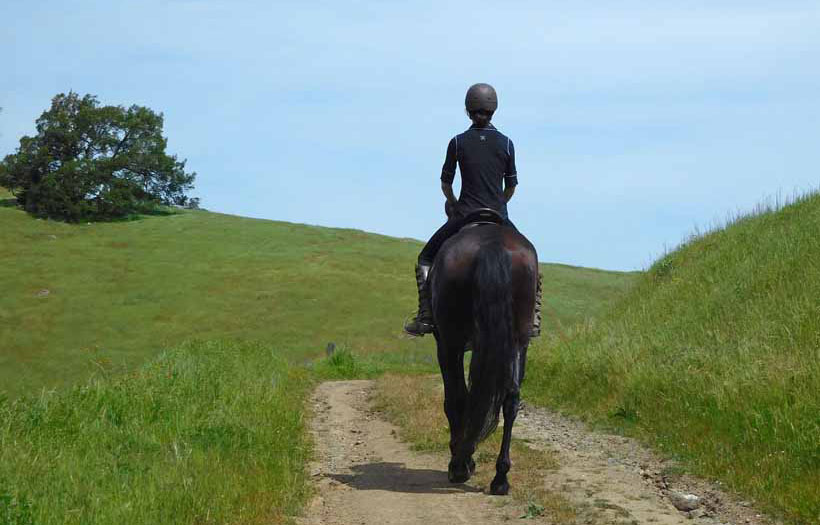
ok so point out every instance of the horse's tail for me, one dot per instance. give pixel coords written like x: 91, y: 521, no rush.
x: 493, y: 364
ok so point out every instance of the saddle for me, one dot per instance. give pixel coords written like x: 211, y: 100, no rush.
x: 480, y: 217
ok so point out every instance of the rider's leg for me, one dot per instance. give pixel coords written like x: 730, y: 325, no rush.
x: 423, y: 321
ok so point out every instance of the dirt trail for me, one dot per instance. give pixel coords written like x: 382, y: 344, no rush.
x: 366, y: 475
x: 615, y: 479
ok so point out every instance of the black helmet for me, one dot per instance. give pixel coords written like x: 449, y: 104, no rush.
x: 481, y: 96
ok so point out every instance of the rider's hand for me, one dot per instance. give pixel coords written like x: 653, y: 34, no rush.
x: 450, y: 208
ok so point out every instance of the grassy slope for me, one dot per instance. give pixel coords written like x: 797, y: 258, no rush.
x: 715, y: 355
x: 572, y: 295
x: 120, y: 292
x: 204, y: 432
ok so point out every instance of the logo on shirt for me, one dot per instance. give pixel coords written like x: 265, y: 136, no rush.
x: 482, y: 137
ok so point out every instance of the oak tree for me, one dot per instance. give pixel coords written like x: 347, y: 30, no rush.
x: 95, y: 162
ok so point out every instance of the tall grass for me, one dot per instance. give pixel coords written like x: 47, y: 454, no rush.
x: 205, y: 433
x: 714, y: 355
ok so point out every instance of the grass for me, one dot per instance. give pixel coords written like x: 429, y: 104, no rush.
x: 345, y: 364
x: 205, y: 433
x: 414, y: 404
x: 6, y: 198
x: 111, y: 428
x: 714, y: 356
x: 119, y: 292
x: 573, y: 295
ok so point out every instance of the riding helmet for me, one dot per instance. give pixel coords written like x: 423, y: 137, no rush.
x: 481, y: 96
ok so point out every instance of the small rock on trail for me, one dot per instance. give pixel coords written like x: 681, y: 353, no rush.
x: 683, y: 502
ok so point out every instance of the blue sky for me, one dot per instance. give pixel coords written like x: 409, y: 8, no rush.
x: 634, y: 122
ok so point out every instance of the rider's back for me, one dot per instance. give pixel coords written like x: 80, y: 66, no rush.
x: 486, y: 160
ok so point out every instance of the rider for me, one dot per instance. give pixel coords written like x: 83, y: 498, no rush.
x: 485, y: 157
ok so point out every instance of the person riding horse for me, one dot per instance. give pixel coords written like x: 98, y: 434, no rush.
x: 486, y: 160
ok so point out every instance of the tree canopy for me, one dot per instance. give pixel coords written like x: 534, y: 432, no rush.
x: 95, y: 162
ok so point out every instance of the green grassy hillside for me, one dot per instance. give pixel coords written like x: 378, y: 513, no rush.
x: 573, y: 295
x: 204, y: 432
x: 715, y: 356
x: 79, y: 297
x: 120, y: 292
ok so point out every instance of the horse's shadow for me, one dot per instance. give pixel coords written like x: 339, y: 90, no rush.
x: 395, y: 477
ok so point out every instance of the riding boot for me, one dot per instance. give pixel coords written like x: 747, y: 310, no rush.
x: 423, y: 322
x: 536, y: 318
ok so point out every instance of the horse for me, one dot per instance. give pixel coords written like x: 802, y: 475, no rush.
x: 483, y: 288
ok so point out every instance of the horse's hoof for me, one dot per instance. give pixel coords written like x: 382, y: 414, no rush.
x: 458, y: 474
x: 499, y: 488
x: 460, y: 477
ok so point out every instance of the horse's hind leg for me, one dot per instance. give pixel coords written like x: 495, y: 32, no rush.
x: 451, y: 362
x: 500, y: 486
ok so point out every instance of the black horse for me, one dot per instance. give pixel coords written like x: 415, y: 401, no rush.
x: 483, y: 287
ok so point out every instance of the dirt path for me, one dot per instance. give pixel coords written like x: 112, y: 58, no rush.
x: 616, y: 479
x: 366, y: 475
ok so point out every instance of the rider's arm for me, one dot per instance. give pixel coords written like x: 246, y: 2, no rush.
x: 447, y: 189
x: 511, y: 173
x: 508, y: 193
x: 448, y: 171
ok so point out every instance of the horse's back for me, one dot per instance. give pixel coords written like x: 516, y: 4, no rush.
x: 454, y: 272
x: 457, y: 256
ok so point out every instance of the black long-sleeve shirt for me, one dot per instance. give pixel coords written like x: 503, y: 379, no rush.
x: 486, y: 160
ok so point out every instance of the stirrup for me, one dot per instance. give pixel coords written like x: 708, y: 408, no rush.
x: 418, y: 328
